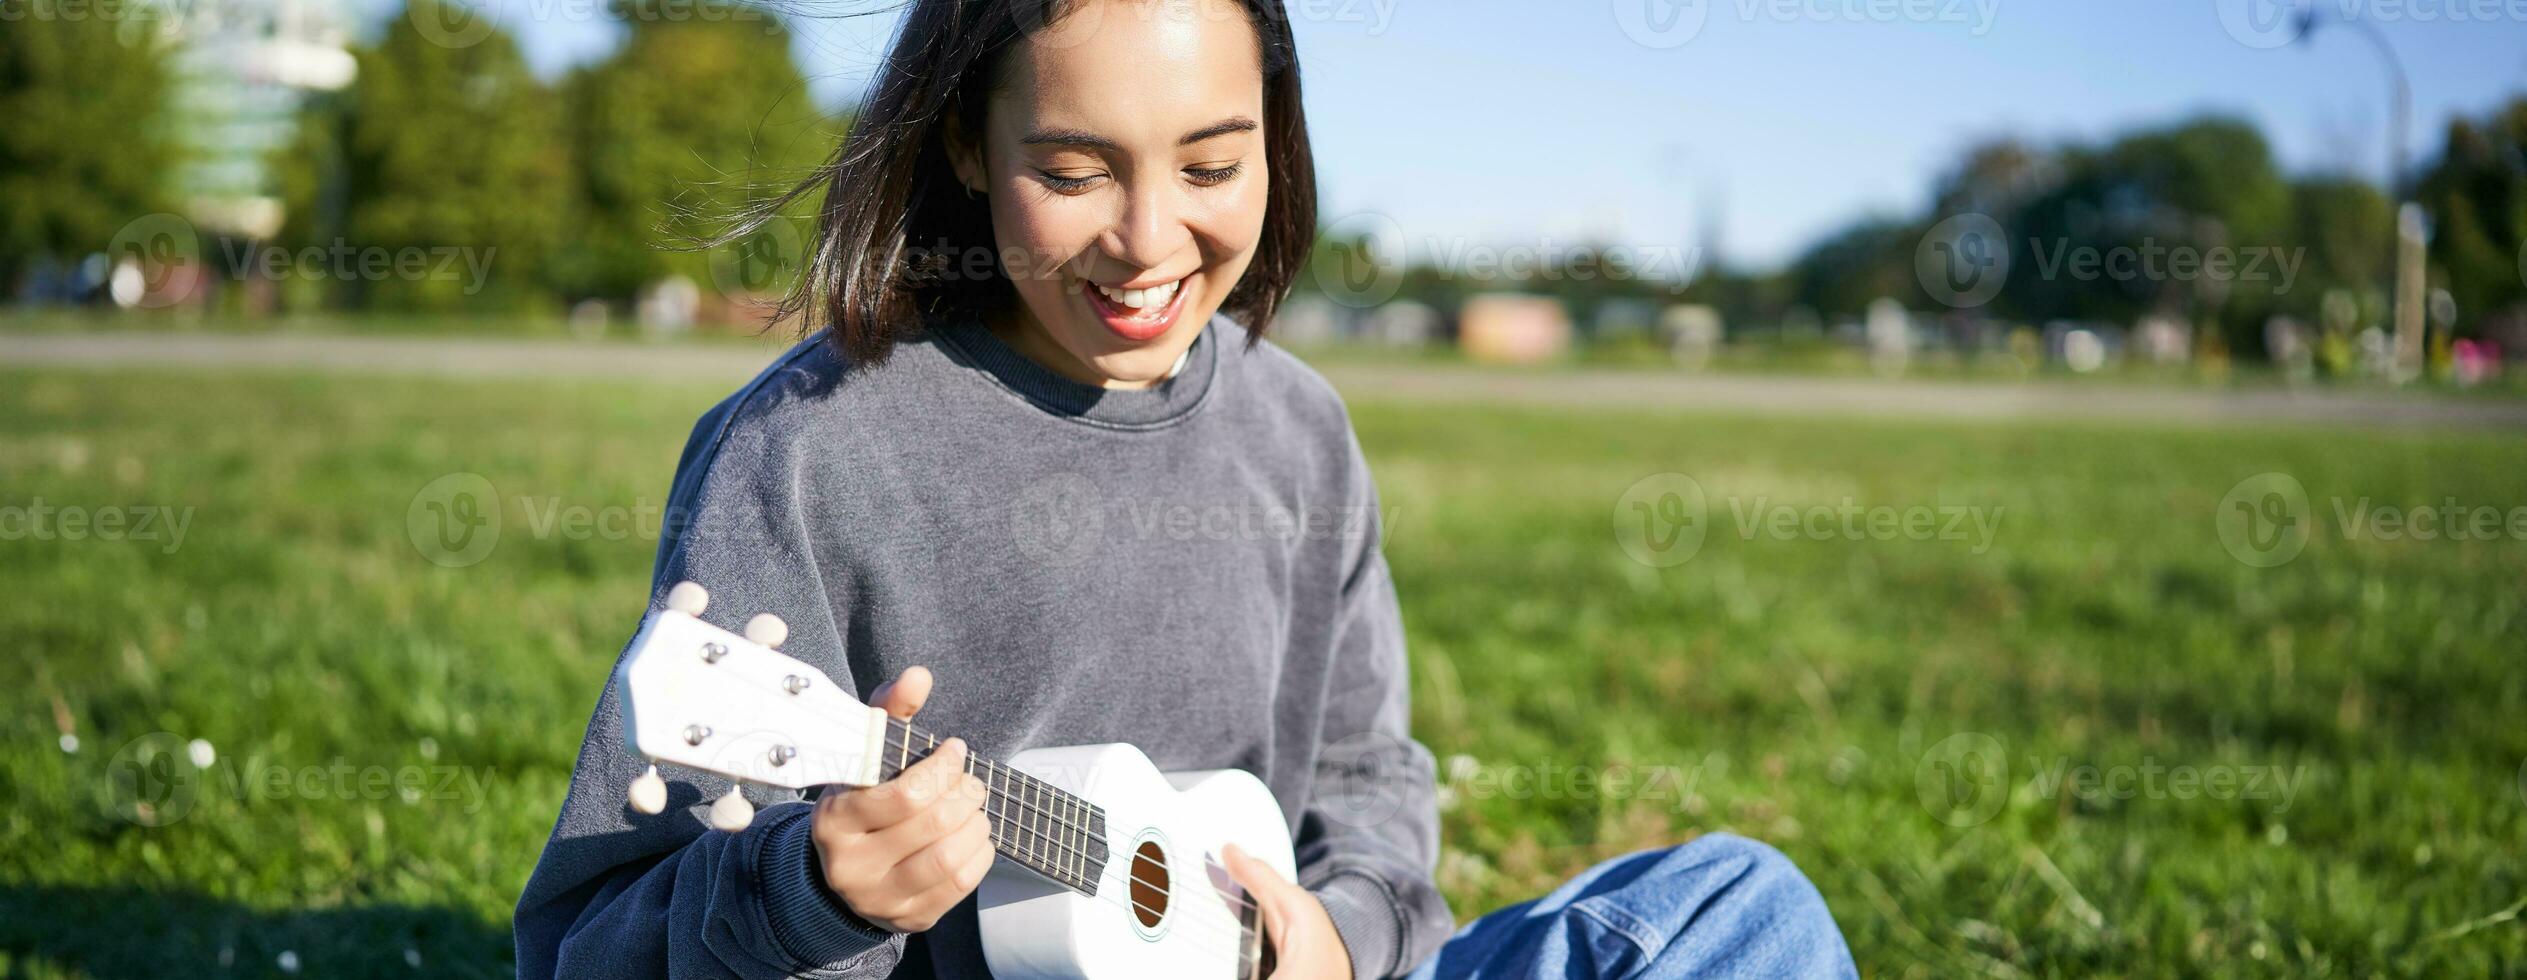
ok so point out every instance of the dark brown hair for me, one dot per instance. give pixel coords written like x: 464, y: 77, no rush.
x: 897, y: 230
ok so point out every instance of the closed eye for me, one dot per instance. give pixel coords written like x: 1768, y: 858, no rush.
x: 1214, y: 176
x: 1069, y: 183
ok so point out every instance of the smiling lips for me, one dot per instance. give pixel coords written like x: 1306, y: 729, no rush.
x: 1136, y: 315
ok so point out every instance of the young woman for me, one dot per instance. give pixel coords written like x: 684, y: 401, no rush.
x: 1041, y: 451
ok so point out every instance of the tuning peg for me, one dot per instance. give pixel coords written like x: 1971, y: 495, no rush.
x: 689, y: 598
x: 767, y: 629
x: 731, y: 813
x: 649, y: 793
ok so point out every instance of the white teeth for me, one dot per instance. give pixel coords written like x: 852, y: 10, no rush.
x: 1142, y: 299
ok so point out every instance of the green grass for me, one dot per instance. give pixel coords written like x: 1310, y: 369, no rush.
x: 1806, y: 692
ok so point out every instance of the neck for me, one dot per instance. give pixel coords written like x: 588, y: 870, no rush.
x: 1039, y: 826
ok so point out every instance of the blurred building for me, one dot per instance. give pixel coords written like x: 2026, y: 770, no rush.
x: 243, y: 69
x: 1402, y: 323
x: 1513, y: 328
x: 1692, y: 333
x: 1621, y: 319
x: 1307, y: 319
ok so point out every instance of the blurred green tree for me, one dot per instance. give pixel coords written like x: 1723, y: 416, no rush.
x: 2198, y: 186
x: 699, y: 116
x: 2476, y: 196
x: 453, y: 150
x: 1873, y: 258
x: 2347, y: 227
x: 86, y: 147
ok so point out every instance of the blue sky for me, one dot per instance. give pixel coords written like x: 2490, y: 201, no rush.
x: 1514, y: 123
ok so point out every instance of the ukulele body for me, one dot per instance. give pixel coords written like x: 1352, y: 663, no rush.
x: 1164, y: 905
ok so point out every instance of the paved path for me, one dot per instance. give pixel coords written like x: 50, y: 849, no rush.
x: 1650, y: 390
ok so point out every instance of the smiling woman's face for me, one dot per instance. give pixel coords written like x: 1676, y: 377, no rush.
x: 1124, y: 159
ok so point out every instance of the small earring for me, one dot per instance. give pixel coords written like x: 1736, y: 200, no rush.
x: 969, y: 190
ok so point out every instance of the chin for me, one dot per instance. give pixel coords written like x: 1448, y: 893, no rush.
x: 1147, y: 365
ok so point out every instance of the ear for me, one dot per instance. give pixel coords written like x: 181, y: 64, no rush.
x: 965, y: 153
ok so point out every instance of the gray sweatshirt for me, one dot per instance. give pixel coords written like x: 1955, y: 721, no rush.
x: 1192, y: 568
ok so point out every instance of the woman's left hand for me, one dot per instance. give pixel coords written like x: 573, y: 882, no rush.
x: 1304, y: 943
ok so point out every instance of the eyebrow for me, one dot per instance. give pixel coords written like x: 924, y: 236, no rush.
x: 1084, y: 138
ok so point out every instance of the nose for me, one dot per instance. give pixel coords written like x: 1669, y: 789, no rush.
x: 1151, y: 228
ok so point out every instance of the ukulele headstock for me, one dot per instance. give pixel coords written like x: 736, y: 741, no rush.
x: 699, y: 696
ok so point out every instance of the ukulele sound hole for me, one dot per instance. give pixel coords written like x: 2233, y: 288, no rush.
x: 1149, y: 884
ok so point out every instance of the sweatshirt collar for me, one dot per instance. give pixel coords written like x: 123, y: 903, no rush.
x: 971, y: 343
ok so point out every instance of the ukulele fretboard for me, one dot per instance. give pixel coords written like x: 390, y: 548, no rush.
x: 1049, y: 831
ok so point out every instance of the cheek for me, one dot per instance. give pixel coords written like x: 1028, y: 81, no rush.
x: 1232, y: 228
x: 1039, y: 233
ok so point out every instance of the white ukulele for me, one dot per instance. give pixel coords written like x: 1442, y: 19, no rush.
x: 1107, y: 867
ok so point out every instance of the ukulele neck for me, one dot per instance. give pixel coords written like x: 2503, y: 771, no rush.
x: 1041, y: 827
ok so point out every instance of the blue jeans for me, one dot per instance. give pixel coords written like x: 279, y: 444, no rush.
x: 1720, y: 906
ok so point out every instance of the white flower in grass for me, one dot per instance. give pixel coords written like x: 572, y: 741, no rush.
x: 289, y: 961
x: 200, y: 751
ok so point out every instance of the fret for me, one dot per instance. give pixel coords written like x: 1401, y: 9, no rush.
x: 1034, y: 809
x: 1079, y: 841
x: 993, y: 808
x: 1079, y: 861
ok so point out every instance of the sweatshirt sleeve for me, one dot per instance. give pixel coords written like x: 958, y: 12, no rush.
x: 623, y: 894
x: 1369, y: 836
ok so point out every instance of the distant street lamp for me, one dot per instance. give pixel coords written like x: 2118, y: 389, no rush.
x: 2409, y: 219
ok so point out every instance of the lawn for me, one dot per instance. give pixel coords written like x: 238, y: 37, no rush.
x: 2009, y: 698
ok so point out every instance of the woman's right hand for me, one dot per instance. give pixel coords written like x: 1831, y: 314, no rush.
x: 904, y: 852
